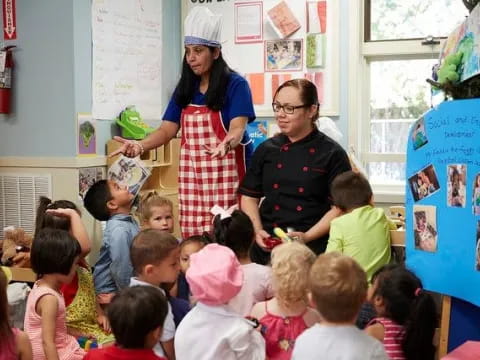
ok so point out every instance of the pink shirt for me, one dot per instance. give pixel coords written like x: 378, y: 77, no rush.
x: 8, y: 349
x: 393, y: 337
x: 257, y: 287
x: 67, y: 346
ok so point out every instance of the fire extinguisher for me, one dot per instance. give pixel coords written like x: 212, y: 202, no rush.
x: 6, y: 81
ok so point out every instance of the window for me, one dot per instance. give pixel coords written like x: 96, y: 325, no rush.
x: 389, y: 62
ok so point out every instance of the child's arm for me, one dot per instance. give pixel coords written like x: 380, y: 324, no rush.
x: 24, y: 346
x: 258, y: 311
x: 102, y: 318
x: 168, y: 349
x: 77, y: 228
x: 47, y: 308
x: 376, y: 330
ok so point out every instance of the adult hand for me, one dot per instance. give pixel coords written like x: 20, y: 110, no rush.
x: 129, y: 148
x: 222, y: 149
x: 259, y: 238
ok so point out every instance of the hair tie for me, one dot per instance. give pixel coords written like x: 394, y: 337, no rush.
x: 224, y: 214
x: 418, y: 291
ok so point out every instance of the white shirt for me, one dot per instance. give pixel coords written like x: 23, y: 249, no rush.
x: 216, y: 332
x: 257, y: 287
x: 168, y: 332
x: 337, y: 342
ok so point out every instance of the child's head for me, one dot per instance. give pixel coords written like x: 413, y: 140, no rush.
x: 235, y: 232
x: 47, y: 220
x: 398, y: 295
x: 56, y: 252
x: 156, y: 212
x: 190, y: 246
x: 215, y: 275
x: 155, y: 256
x: 338, y: 286
x: 106, y: 198
x: 291, y: 263
x: 351, y: 190
x: 137, y: 315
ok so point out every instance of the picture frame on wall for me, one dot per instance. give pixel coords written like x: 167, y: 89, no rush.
x: 284, y: 55
x: 248, y: 22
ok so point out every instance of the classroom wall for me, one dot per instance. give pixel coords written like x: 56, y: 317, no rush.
x: 53, y: 76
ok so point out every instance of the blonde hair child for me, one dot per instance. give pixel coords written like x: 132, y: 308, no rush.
x: 156, y: 212
x: 283, y: 318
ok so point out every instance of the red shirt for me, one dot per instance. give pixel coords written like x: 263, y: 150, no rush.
x: 116, y: 353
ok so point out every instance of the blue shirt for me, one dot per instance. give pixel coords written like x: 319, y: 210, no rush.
x: 238, y: 102
x: 113, y: 269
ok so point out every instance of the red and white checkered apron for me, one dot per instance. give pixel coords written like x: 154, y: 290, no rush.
x: 203, y: 181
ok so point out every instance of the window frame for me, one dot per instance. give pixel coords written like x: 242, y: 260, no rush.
x: 360, y: 54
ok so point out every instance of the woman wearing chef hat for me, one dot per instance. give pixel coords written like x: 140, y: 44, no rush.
x: 212, y: 104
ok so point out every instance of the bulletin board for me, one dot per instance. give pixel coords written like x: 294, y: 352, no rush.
x: 443, y: 199
x: 271, y: 41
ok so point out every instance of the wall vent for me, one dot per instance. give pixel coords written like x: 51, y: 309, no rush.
x: 19, y: 198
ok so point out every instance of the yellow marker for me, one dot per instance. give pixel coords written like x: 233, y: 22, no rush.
x: 281, y: 234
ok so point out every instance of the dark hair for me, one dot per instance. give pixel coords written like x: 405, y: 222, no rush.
x: 217, y: 86
x: 308, y: 93
x: 96, y: 200
x: 46, y: 220
x: 203, y: 239
x: 134, y: 312
x: 7, y: 340
x: 409, y: 305
x: 235, y: 232
x: 350, y: 190
x: 151, y: 246
x: 53, y: 251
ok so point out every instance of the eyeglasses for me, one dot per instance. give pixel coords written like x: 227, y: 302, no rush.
x: 287, y: 109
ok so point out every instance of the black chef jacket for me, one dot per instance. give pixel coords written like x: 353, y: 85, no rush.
x: 295, y: 180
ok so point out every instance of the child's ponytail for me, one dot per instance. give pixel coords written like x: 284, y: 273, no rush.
x: 420, y: 328
x: 43, y: 204
x: 235, y: 232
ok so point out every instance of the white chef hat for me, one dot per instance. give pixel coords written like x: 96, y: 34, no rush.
x: 202, y: 27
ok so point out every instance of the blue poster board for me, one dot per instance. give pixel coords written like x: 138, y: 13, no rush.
x: 443, y: 199
x: 257, y: 130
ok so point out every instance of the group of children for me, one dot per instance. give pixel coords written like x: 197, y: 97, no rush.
x: 153, y: 296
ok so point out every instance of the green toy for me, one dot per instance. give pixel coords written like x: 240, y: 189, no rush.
x: 132, y: 124
x: 448, y: 69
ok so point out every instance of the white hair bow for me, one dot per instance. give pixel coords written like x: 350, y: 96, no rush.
x: 217, y: 210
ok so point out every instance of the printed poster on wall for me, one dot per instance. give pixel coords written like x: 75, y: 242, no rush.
x: 127, y: 57
x: 258, y: 132
x: 443, y: 199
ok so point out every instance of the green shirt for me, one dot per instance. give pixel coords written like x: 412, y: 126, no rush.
x: 364, y: 235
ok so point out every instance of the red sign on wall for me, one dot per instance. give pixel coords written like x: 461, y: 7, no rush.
x: 9, y: 20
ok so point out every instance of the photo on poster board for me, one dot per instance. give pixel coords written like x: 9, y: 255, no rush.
x: 477, y: 248
x: 282, y: 20
x: 284, y: 55
x: 315, y: 50
x: 456, y: 185
x: 419, y: 135
x: 424, y: 183
x: 86, y: 178
x: 86, y: 135
x: 476, y: 195
x: 316, y: 17
x: 248, y: 22
x: 425, y: 227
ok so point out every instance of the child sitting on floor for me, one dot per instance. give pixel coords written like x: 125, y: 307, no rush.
x: 287, y: 315
x: 108, y: 201
x: 338, y: 287
x: 84, y: 315
x: 137, y: 315
x: 215, y: 277
x: 236, y: 232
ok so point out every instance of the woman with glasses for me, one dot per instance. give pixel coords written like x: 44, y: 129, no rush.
x: 212, y: 104
x: 293, y: 172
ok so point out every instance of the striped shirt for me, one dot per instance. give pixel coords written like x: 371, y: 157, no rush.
x: 393, y: 337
